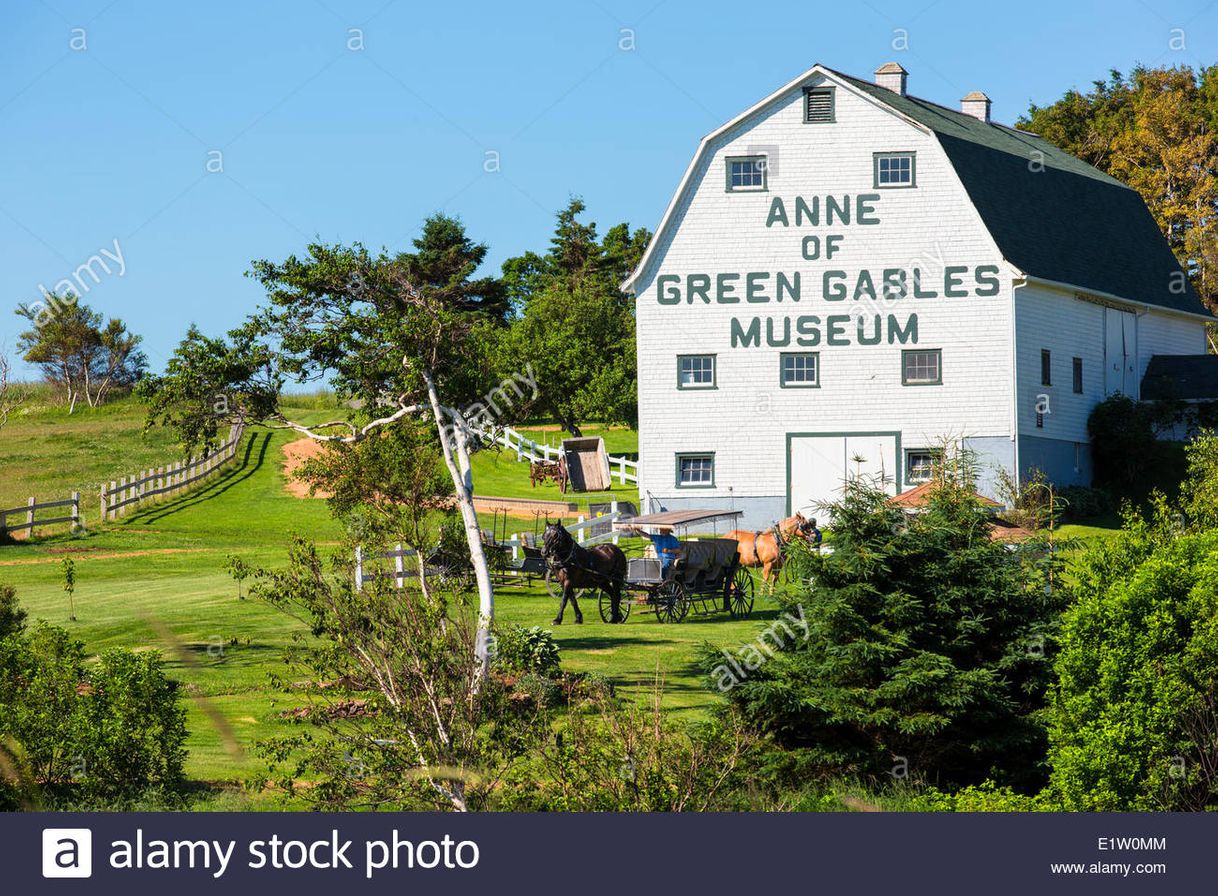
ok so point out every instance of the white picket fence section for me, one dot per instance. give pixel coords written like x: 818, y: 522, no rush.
x: 131, y: 491
x: 601, y: 525
x: 31, y: 509
x: 621, y: 468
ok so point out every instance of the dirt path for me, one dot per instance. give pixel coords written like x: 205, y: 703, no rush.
x: 295, y: 454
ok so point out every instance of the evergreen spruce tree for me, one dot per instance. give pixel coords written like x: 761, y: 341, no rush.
x: 925, y: 654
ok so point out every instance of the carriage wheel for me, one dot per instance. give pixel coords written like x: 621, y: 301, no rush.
x: 606, y: 607
x: 552, y: 587
x: 740, y: 594
x: 670, y: 602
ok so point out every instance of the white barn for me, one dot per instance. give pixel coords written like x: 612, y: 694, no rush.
x: 847, y: 275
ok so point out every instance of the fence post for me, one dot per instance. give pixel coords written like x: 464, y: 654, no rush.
x: 75, y: 510
x: 613, y: 519
x: 29, y: 519
x: 399, y: 568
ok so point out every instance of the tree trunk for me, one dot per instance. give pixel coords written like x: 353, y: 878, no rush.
x: 569, y: 424
x: 456, y: 458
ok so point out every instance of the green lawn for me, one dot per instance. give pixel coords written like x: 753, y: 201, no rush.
x: 156, y: 579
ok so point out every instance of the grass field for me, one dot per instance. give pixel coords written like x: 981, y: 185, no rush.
x: 157, y: 579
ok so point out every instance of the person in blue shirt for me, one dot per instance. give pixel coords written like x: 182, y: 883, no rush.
x: 667, y: 547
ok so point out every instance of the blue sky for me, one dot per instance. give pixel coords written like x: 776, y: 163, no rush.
x: 106, y: 135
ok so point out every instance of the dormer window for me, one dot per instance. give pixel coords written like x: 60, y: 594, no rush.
x: 746, y: 174
x: 818, y: 105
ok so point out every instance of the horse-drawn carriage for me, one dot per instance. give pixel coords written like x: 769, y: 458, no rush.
x: 698, y: 573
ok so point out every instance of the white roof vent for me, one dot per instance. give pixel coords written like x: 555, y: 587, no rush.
x: 976, y: 104
x: 892, y: 77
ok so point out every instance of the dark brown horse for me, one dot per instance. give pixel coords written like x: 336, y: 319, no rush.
x: 601, y: 566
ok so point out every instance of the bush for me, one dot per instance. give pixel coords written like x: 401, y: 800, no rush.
x: 519, y: 650
x: 1136, y: 701
x: 1082, y: 503
x: 12, y: 617
x: 100, y: 735
x: 924, y: 650
x: 1128, y: 460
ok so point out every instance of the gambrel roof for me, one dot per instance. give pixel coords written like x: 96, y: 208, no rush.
x: 1052, y: 216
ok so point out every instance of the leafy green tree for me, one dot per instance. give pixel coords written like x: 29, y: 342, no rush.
x: 77, y: 351
x: 580, y: 348
x: 1156, y: 130
x: 402, y: 336
x: 575, y: 328
x: 68, y: 568
x: 1135, y: 706
x: 924, y: 652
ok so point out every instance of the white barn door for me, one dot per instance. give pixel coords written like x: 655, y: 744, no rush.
x: 1120, y: 352
x: 821, y: 464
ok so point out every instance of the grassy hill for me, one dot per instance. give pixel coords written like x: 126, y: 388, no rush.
x: 156, y: 579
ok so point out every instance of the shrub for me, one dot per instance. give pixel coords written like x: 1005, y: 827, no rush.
x: 96, y: 736
x: 1136, y: 701
x: 1082, y: 503
x: 12, y: 617
x: 1128, y: 460
x: 519, y: 649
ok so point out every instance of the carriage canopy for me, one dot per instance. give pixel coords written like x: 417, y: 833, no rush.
x: 675, y: 519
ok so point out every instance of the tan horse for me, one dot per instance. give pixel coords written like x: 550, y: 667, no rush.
x: 764, y: 548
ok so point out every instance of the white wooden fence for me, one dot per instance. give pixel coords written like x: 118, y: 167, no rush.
x: 31, y: 509
x: 131, y: 491
x: 621, y: 468
x: 579, y: 529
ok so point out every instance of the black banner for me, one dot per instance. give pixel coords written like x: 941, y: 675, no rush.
x: 611, y: 854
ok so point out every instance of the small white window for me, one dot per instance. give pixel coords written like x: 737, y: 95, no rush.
x: 894, y: 169
x: 919, y: 464
x: 800, y: 370
x: 922, y: 367
x: 695, y: 470
x: 695, y: 371
x: 746, y: 174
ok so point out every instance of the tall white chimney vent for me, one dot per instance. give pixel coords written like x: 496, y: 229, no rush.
x: 892, y: 77
x: 976, y: 104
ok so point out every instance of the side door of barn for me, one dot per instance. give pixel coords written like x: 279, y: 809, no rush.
x: 1120, y: 352
x: 819, y: 465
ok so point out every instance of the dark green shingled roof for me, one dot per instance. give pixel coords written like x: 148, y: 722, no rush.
x: 1068, y: 222
x: 1172, y: 377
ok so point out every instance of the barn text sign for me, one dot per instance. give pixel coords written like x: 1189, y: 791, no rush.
x: 858, y: 309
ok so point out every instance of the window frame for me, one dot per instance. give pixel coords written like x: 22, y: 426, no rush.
x: 935, y: 455
x: 893, y: 154
x: 1076, y: 375
x: 905, y: 353
x: 1046, y: 367
x: 829, y: 91
x: 713, y: 384
x: 754, y: 159
x: 782, y: 362
x: 695, y: 455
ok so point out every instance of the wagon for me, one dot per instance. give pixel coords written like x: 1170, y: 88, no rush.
x: 705, y: 575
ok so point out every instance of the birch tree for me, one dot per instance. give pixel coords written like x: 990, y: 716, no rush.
x: 400, y: 335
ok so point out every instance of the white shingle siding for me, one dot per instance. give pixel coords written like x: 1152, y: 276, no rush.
x: 746, y: 418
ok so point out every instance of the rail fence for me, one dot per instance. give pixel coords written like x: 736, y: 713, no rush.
x: 621, y: 468
x: 131, y: 491
x: 586, y: 530
x: 30, y: 511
